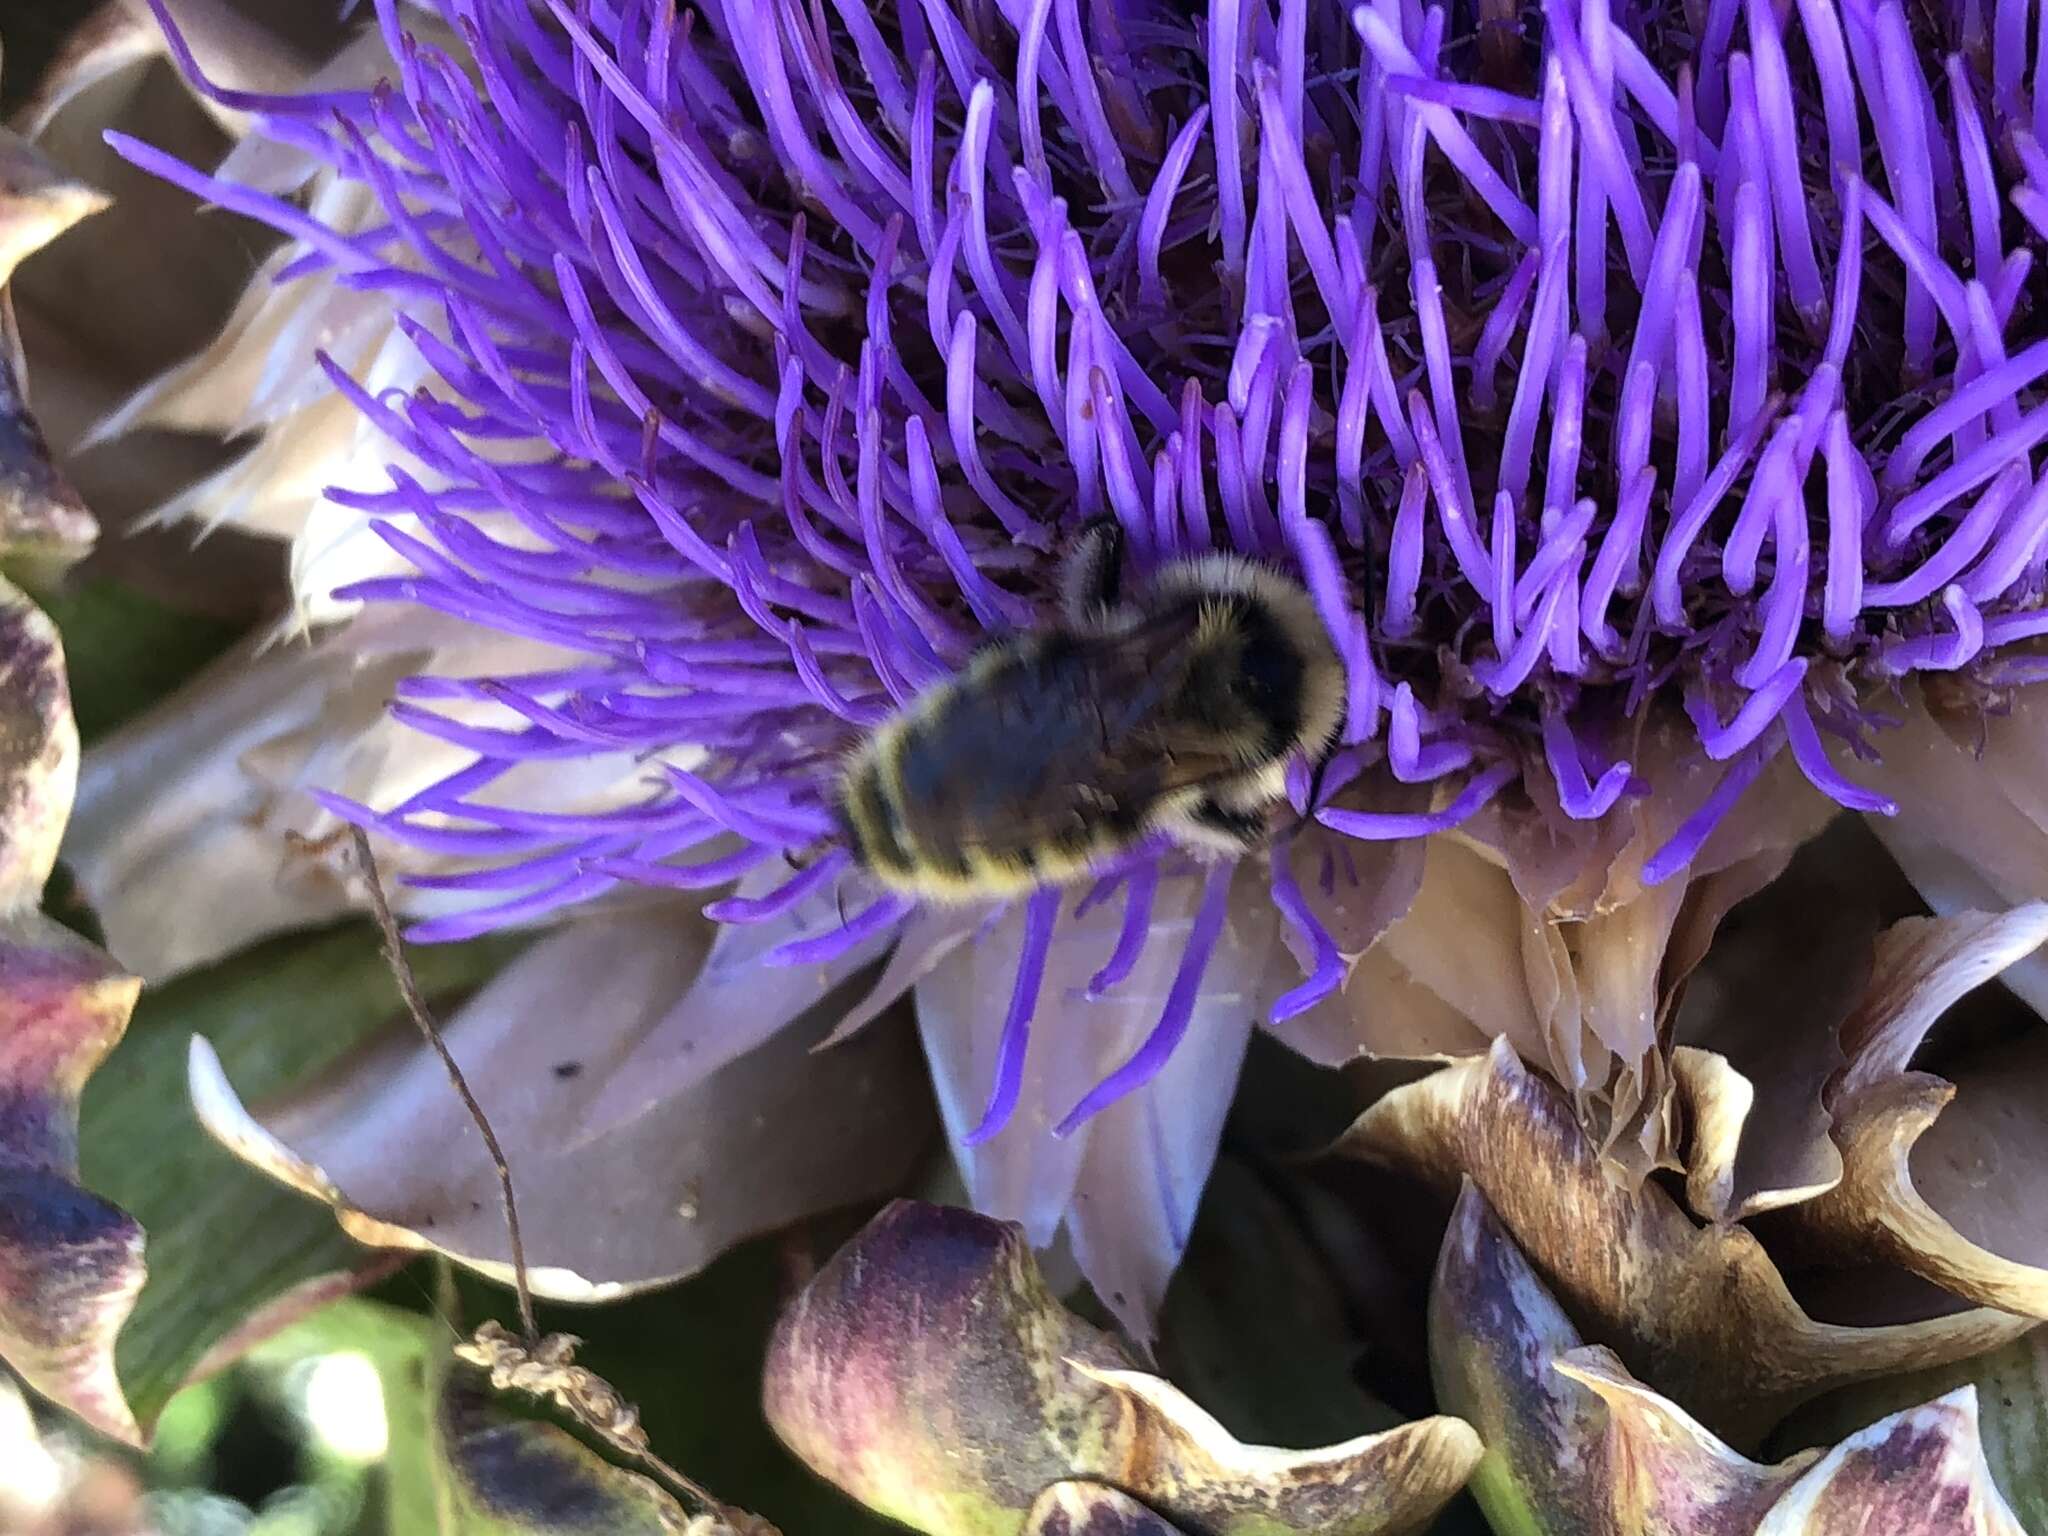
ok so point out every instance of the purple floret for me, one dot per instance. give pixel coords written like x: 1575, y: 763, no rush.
x: 1584, y: 363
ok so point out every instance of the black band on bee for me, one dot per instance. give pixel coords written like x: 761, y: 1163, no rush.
x: 1273, y: 668
x: 874, y: 832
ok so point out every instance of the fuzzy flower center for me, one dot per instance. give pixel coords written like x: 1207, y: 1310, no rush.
x: 1583, y: 364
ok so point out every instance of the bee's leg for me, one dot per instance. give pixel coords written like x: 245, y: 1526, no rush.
x: 1092, y: 575
x: 1315, y: 783
x: 1209, y: 823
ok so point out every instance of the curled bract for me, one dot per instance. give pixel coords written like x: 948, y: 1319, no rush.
x: 1972, y: 828
x: 1679, y: 1301
x: 929, y: 1373
x: 44, y: 524
x: 70, y: 1262
x: 1944, y: 1176
x: 1576, y: 1444
x: 1757, y: 1034
x: 38, y: 750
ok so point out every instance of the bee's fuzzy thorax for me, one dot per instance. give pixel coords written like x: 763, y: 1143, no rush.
x: 1174, y: 710
x: 1293, y: 614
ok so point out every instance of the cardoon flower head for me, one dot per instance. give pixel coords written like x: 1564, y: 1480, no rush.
x: 1600, y: 369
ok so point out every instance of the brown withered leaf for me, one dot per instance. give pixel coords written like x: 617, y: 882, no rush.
x: 70, y: 1263
x: 777, y: 1134
x: 928, y: 1372
x: 1943, y: 1177
x: 1681, y: 1303
x: 1091, y: 1509
x: 1577, y: 1445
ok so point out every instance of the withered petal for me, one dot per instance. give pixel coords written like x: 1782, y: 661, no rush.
x: 1127, y: 1181
x: 779, y: 1133
x: 1682, y: 1304
x: 928, y: 1372
x: 1552, y: 940
x: 208, y: 793
x: 70, y: 1262
x: 732, y: 1004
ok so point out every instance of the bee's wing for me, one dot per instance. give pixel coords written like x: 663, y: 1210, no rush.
x: 1147, y: 744
x: 1073, y: 735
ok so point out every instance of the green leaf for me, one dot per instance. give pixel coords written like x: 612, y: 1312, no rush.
x: 126, y: 650
x: 224, y: 1242
x: 398, y: 1343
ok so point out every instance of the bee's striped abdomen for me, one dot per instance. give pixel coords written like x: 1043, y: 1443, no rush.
x: 874, y: 831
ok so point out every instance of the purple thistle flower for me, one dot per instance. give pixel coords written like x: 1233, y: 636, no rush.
x: 1591, y: 366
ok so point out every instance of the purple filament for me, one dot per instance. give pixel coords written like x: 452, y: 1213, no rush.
x: 1150, y: 1058
x: 768, y: 373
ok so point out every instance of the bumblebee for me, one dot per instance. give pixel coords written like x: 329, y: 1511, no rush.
x: 1174, y: 710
